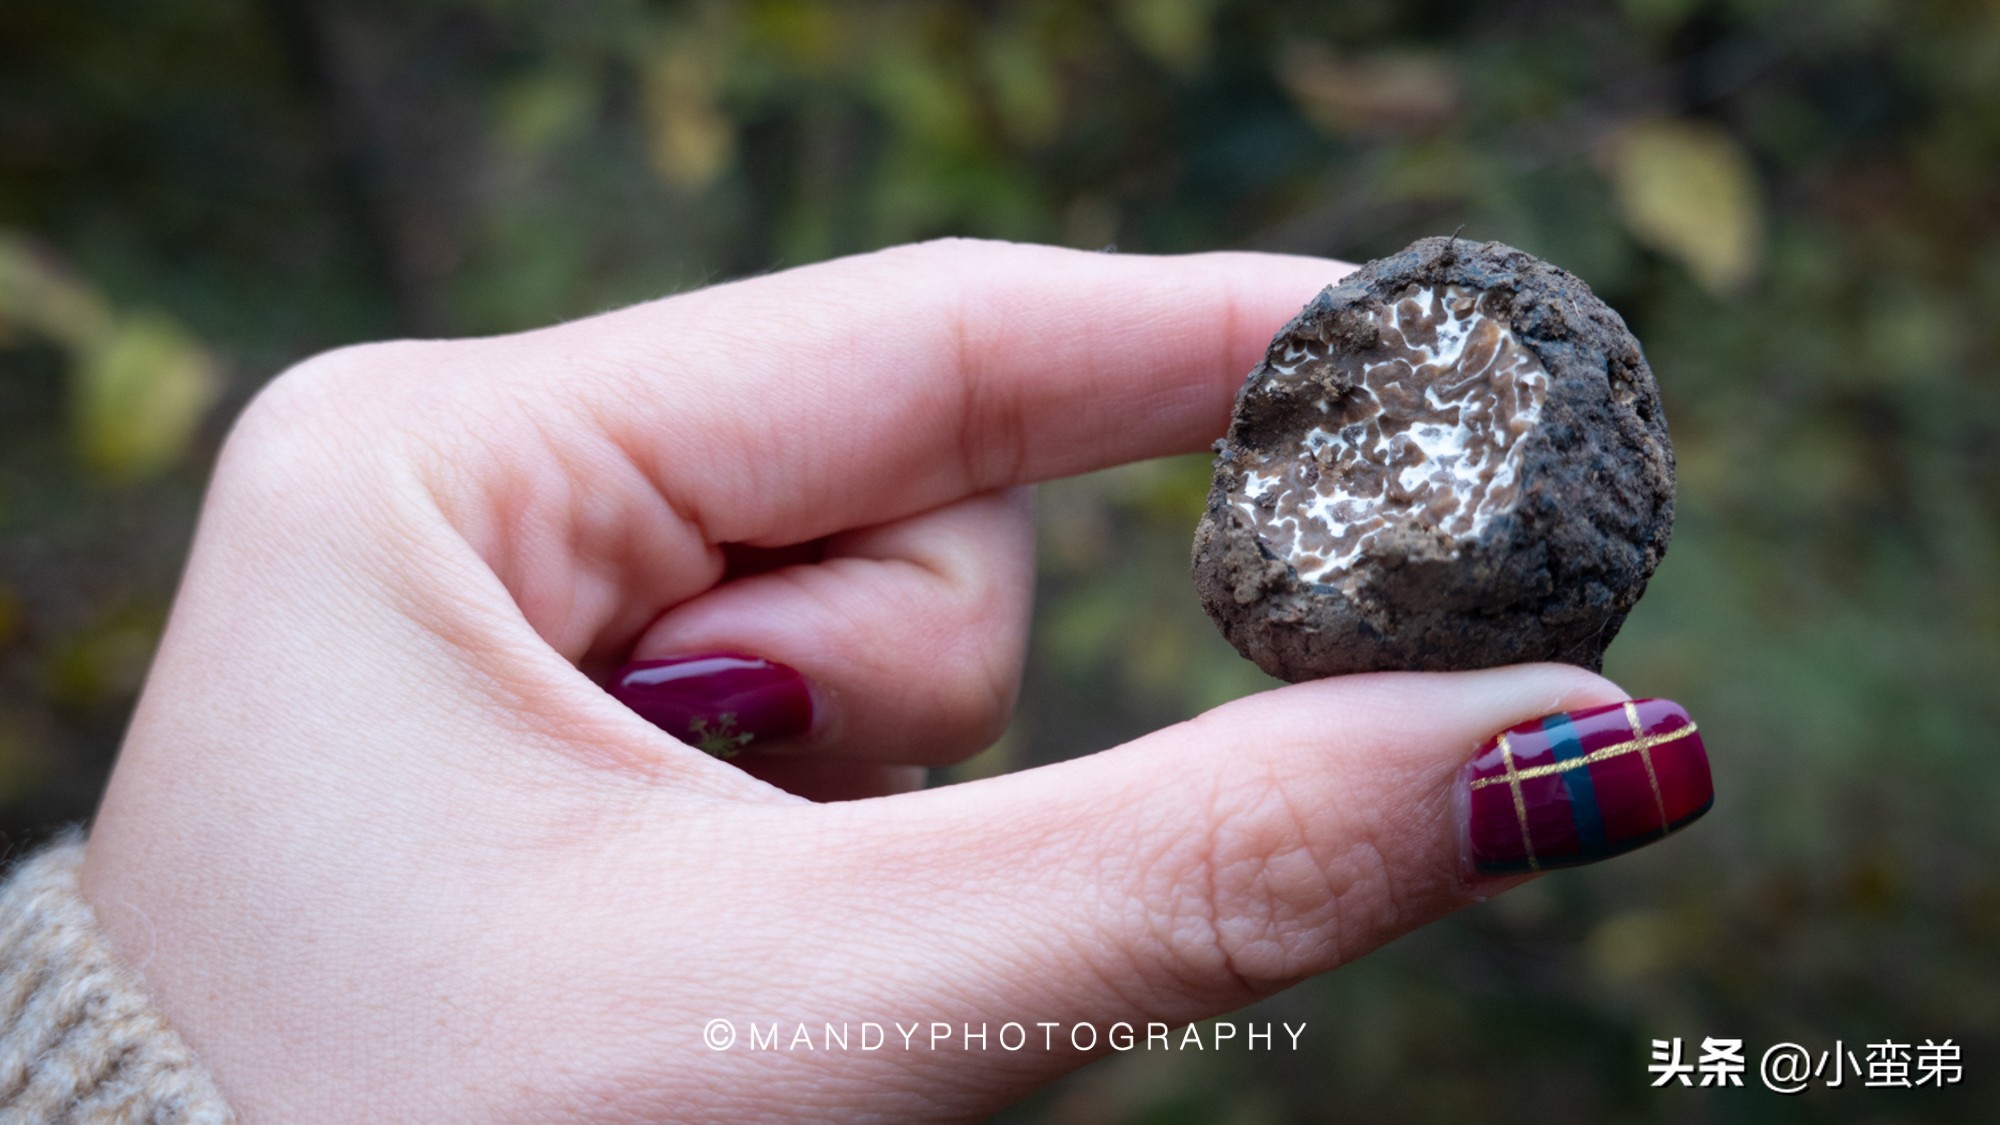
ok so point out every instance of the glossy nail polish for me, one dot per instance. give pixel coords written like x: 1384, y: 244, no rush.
x: 1581, y: 786
x: 723, y: 703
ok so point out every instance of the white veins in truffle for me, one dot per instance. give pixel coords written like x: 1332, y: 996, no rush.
x: 1454, y: 457
x: 1428, y: 435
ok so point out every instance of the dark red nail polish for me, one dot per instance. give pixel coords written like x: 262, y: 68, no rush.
x: 1582, y: 786
x: 719, y: 702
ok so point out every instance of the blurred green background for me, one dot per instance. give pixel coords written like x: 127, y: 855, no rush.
x: 1795, y: 205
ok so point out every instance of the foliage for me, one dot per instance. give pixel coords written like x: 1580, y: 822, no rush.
x: 1792, y: 203
x: 139, y: 385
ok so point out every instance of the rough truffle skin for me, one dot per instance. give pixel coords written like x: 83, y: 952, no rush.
x: 1551, y: 579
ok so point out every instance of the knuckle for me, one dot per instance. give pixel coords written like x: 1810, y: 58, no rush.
x: 350, y: 370
x: 1262, y: 894
x: 322, y: 393
x: 973, y: 660
x: 950, y: 247
x: 319, y: 434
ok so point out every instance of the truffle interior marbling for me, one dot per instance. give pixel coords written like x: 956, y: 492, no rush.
x: 1429, y: 433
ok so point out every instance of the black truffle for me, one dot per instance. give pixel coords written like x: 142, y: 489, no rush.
x: 1455, y: 458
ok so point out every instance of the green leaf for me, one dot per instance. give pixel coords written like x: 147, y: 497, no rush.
x: 1174, y: 32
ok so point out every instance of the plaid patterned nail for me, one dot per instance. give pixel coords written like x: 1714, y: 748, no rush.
x: 1582, y: 786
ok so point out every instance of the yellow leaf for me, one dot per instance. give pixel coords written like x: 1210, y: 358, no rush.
x: 1686, y: 188
x: 1636, y: 944
x: 689, y: 138
x: 139, y: 393
x: 139, y: 384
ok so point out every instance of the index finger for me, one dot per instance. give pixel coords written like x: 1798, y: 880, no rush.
x: 787, y: 407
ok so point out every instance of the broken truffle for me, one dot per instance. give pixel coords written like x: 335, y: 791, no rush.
x: 1455, y: 458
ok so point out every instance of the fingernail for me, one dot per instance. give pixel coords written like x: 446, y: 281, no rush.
x: 1581, y: 786
x: 723, y: 703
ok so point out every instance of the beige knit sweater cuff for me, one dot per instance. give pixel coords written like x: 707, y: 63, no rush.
x: 79, y: 1041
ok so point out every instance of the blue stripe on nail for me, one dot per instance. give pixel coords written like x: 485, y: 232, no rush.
x: 1564, y: 745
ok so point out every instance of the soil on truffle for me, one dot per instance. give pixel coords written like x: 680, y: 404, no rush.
x: 1354, y: 526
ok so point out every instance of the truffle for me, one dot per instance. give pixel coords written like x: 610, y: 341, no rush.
x: 1455, y: 458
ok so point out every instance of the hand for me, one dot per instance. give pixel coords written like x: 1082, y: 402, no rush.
x: 383, y: 846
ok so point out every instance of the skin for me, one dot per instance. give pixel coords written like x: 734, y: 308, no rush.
x: 382, y: 849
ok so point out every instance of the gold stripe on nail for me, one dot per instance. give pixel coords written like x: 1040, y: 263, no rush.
x: 1646, y: 756
x: 1520, y: 806
x: 1644, y: 742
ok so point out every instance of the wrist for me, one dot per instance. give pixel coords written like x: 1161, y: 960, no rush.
x: 79, y: 1036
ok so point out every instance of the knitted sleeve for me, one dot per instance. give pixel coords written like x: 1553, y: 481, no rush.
x: 79, y: 1041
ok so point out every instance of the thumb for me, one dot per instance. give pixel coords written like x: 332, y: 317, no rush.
x: 1199, y: 868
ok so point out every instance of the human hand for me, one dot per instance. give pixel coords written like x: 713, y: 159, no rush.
x: 383, y: 847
